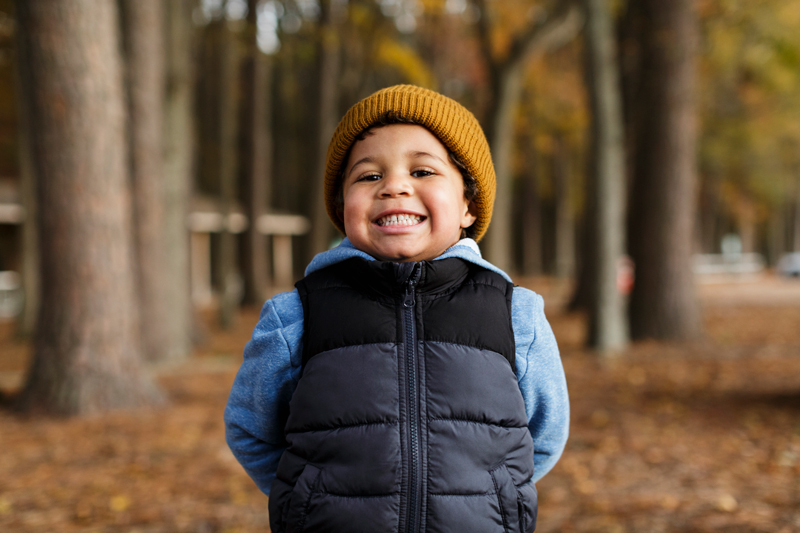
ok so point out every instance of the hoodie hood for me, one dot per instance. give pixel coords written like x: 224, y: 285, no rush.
x: 466, y: 249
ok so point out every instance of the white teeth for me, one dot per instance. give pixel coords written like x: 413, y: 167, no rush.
x: 399, y: 220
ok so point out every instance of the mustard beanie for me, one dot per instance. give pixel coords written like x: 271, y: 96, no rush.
x: 452, y: 123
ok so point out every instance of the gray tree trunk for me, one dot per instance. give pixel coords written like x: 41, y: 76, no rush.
x: 179, y: 149
x: 86, y: 356
x: 329, y: 57
x: 226, y: 257
x: 256, y: 161
x: 663, y: 303
x: 30, y: 231
x: 531, y: 218
x: 565, y: 217
x: 608, y: 330
x: 144, y: 44
x: 507, y: 95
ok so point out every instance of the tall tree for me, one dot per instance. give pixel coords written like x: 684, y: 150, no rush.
x: 143, y: 30
x: 608, y: 330
x: 505, y: 90
x: 86, y: 350
x: 565, y: 218
x: 179, y: 150
x: 228, y: 163
x: 30, y: 229
x: 329, y: 66
x: 256, y: 159
x: 663, y: 303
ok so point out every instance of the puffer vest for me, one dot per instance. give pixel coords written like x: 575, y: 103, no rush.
x: 407, y: 416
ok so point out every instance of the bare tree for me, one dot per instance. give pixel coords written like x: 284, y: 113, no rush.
x: 565, y: 217
x: 505, y: 75
x: 179, y: 149
x: 143, y: 32
x: 86, y: 350
x: 661, y: 220
x: 329, y: 58
x: 30, y: 229
x: 226, y: 256
x: 256, y: 159
x: 608, y: 330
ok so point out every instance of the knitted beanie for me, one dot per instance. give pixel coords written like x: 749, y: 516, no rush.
x: 452, y: 123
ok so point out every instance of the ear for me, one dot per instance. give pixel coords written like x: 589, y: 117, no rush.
x: 469, y: 215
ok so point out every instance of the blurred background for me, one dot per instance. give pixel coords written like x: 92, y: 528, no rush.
x: 161, y: 172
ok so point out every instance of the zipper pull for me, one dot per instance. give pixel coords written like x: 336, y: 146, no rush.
x: 408, y: 297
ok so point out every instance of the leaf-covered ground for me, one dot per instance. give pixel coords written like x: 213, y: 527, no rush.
x: 693, y: 437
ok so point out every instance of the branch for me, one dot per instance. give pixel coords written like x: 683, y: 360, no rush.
x: 550, y: 33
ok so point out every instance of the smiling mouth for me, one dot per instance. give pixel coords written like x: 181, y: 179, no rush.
x: 399, y: 220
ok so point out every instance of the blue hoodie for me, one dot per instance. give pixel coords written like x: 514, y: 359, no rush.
x: 271, y: 368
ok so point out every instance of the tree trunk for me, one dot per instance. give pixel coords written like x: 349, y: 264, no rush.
x: 329, y: 58
x: 256, y: 161
x: 501, y: 143
x: 506, y: 89
x: 179, y: 143
x: 144, y: 44
x: 531, y: 219
x: 226, y: 255
x: 777, y: 233
x: 30, y: 230
x: 630, y: 66
x: 86, y: 350
x: 585, y: 288
x: 663, y: 303
x: 608, y: 330
x: 796, y: 240
x: 565, y: 218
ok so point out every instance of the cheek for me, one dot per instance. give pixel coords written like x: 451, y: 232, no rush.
x: 354, y: 209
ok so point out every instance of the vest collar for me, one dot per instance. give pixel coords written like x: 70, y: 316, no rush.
x: 388, y: 279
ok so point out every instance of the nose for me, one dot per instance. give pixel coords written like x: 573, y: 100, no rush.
x: 395, y: 184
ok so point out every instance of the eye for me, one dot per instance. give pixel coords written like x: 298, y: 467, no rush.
x: 370, y: 176
x: 422, y: 173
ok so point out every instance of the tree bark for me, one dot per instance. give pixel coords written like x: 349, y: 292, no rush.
x: 144, y: 45
x: 505, y: 76
x: 565, y: 218
x: 531, y: 219
x: 608, y: 330
x: 86, y: 351
x: 796, y: 240
x: 179, y: 149
x: 226, y: 257
x: 663, y: 303
x: 256, y: 161
x: 329, y: 57
x: 501, y: 142
x: 30, y: 230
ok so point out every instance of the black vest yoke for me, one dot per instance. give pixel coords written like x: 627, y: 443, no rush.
x: 407, y: 416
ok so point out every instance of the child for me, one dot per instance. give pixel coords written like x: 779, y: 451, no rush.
x: 405, y: 384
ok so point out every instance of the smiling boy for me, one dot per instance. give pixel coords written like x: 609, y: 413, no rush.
x: 405, y: 384
x: 403, y: 197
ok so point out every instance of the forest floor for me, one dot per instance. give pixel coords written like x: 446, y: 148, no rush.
x: 690, y: 437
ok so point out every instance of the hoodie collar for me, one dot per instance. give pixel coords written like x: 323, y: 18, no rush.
x: 466, y: 249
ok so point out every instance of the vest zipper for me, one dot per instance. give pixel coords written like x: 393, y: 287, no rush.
x: 414, y: 482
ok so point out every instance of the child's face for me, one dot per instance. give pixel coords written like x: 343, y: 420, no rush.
x: 403, y: 197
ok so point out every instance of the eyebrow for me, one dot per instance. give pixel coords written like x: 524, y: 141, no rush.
x: 420, y: 154
x: 367, y: 159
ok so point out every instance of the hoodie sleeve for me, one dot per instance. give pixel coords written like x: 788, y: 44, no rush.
x: 258, y: 404
x: 541, y: 379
